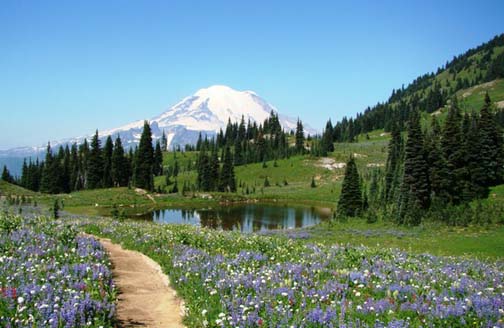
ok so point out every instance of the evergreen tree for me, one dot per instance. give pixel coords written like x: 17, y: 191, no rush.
x: 50, y: 180
x: 453, y: 152
x: 24, y: 175
x: 475, y: 181
x: 238, y: 155
x: 120, y: 171
x: 6, y: 176
x: 56, y: 208
x: 214, y: 170
x: 327, y: 145
x: 350, y: 201
x: 95, y: 164
x: 83, y: 159
x: 108, y: 150
x: 145, y: 160
x: 175, y: 188
x: 374, y: 187
x: 415, y: 181
x: 439, y: 176
x: 64, y: 159
x: 176, y: 168
x: 204, y: 179
x: 227, y: 181
x: 74, y: 167
x: 491, y: 143
x: 158, y: 160
x: 393, y: 166
x: 300, y: 137
x: 164, y: 142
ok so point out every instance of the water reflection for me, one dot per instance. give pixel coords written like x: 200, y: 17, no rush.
x: 245, y: 218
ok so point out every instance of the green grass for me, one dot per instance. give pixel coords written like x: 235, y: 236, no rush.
x: 433, y: 238
x: 183, y: 159
x: 298, y: 171
x: 472, y: 99
x: 11, y: 189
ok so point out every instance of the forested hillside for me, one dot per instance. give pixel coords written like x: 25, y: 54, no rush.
x: 429, y: 92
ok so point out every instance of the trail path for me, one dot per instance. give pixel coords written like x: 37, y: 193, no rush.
x: 145, y: 298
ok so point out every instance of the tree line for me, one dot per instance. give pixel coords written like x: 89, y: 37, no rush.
x: 243, y: 143
x: 91, y: 166
x: 426, y: 93
x: 429, y: 169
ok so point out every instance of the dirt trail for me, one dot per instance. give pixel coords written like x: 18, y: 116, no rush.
x: 145, y: 298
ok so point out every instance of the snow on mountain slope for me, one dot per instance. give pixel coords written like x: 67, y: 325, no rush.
x: 207, y: 111
x: 210, y: 109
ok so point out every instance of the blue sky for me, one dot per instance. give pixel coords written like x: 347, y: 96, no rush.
x: 68, y: 67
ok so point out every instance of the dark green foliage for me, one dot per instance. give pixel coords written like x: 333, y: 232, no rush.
x: 56, y: 208
x: 374, y: 188
x: 176, y: 168
x: 474, y: 183
x: 453, y: 152
x: 51, y: 179
x: 144, y: 160
x: 415, y: 187
x: 204, y: 179
x: 158, y: 160
x: 214, y: 170
x: 108, y: 149
x: 266, y: 182
x: 164, y: 142
x: 496, y: 69
x: 6, y: 176
x: 74, y: 168
x: 439, y: 175
x: 121, y: 170
x: 350, y: 201
x: 491, y: 152
x: 174, y: 190
x: 300, y: 138
x: 326, y: 142
x: 313, y: 184
x: 227, y: 181
x: 95, y: 164
x: 394, y: 164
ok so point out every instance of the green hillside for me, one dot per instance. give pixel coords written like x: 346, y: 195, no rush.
x: 433, y: 91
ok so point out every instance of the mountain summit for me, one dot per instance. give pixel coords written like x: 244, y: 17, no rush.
x: 206, y: 111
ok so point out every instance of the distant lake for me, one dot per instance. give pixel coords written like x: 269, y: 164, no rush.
x: 243, y: 217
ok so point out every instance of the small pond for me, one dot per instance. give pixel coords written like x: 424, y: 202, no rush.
x: 243, y: 217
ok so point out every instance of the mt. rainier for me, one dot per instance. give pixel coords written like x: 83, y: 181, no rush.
x: 207, y: 111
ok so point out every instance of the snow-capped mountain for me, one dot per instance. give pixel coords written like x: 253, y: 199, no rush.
x: 207, y: 111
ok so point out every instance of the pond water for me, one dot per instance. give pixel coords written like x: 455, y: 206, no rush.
x: 243, y: 217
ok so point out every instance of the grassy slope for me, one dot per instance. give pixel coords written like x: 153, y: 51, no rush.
x: 10, y: 189
x: 298, y: 172
x: 447, y: 80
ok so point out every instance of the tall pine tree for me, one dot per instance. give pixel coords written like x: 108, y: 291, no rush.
x: 415, y: 188
x: 120, y: 171
x: 95, y: 164
x: 300, y: 137
x: 227, y: 181
x: 144, y: 161
x: 108, y: 149
x: 350, y: 201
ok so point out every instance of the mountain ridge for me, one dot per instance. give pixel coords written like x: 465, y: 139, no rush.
x: 206, y: 111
